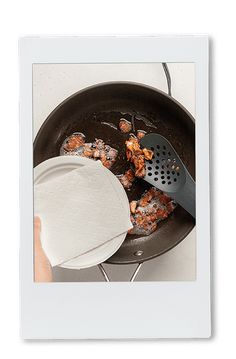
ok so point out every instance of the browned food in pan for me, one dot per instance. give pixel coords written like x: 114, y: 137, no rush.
x: 125, y: 126
x: 148, y: 154
x: 74, y: 141
x: 133, y: 205
x: 87, y: 150
x: 137, y: 156
x: 152, y: 207
x: 127, y: 178
x: 140, y: 134
x: 75, y: 145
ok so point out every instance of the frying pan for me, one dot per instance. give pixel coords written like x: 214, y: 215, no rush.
x: 96, y: 111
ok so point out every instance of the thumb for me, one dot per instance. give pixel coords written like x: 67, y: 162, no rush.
x: 37, y: 229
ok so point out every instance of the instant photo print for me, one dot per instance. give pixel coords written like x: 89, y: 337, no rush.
x: 115, y: 223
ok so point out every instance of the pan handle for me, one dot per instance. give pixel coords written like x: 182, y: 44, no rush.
x: 168, y: 78
x: 135, y: 272
x: 107, y: 279
x: 104, y: 273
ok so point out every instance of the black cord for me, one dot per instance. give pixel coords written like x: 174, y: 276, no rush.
x: 168, y: 78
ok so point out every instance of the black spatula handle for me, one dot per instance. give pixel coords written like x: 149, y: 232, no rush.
x: 186, y: 196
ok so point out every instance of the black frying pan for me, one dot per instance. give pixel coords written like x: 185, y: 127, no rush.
x: 95, y: 111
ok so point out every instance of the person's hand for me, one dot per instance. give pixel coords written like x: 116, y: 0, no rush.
x: 42, y: 266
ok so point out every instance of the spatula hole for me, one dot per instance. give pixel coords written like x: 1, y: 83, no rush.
x: 164, y: 147
x: 155, y: 179
x: 157, y: 161
x: 162, y: 172
x: 163, y: 182
x: 162, y: 177
x: 158, y: 147
x: 156, y: 173
x: 175, y: 179
x: 178, y: 173
x: 163, y: 153
x: 152, y: 148
x: 149, y: 168
x: 169, y: 182
x: 149, y: 173
x: 157, y: 167
x: 150, y: 162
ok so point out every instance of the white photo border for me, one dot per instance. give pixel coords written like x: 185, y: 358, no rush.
x: 115, y: 310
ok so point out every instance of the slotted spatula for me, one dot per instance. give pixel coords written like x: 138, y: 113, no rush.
x: 167, y: 172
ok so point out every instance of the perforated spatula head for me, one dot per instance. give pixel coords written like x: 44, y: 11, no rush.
x: 167, y: 172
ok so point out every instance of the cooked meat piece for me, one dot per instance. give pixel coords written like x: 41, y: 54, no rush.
x: 152, y: 207
x: 146, y: 198
x: 127, y: 179
x: 137, y: 156
x: 170, y: 206
x: 133, y: 146
x: 141, y: 226
x: 105, y: 161
x: 130, y: 175
x: 74, y: 141
x: 161, y: 213
x: 110, y: 152
x: 154, y: 192
x: 152, y: 226
x: 124, y: 181
x: 163, y: 198
x: 139, y: 164
x: 99, y: 144
x: 148, y: 154
x: 96, y: 153
x: 75, y: 146
x: 133, y: 205
x: 88, y: 152
x: 140, y: 134
x: 125, y: 126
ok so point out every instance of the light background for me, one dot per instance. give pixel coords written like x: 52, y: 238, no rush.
x: 85, y: 310
x: 52, y: 83
x: 73, y: 19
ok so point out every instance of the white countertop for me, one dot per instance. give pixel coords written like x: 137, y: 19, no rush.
x: 52, y: 83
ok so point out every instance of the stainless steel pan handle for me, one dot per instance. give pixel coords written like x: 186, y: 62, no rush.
x: 107, y: 279
x: 168, y: 78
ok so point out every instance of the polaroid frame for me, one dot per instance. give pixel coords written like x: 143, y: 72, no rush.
x: 113, y: 310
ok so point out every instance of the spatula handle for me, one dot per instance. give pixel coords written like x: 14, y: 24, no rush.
x: 186, y: 196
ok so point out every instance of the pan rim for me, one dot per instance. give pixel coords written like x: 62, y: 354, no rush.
x: 107, y: 83
x: 135, y: 261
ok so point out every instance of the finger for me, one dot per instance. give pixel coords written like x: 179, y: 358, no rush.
x: 37, y: 223
x: 37, y: 229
